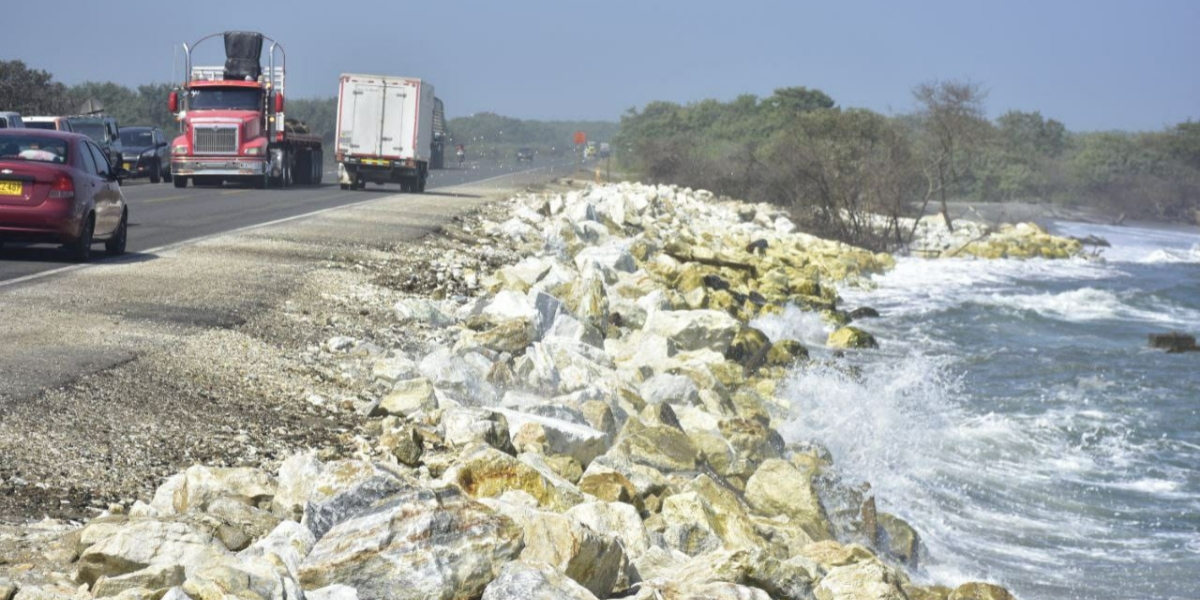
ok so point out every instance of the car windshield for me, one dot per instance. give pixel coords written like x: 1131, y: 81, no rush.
x: 92, y: 129
x: 33, y: 148
x: 208, y: 98
x: 40, y: 125
x: 137, y: 137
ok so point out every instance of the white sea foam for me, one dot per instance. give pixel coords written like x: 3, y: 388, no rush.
x: 1140, y: 244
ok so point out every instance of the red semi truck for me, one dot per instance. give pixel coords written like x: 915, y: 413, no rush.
x: 232, y: 123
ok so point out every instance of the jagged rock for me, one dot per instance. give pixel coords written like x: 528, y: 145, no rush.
x: 285, y: 547
x: 47, y: 592
x: 422, y: 544
x: 615, y: 519
x: 405, y: 443
x: 785, y: 353
x: 787, y: 580
x: 144, y: 543
x: 8, y: 589
x: 239, y: 579
x: 407, y: 397
x: 749, y: 348
x: 612, y: 487
x: 980, y: 591
x: 294, y: 484
x: 830, y: 554
x: 587, y: 300
x: 694, y: 329
x: 484, y: 472
x: 345, y: 489
x: 332, y: 592
x: 647, y: 481
x: 661, y: 447
x: 394, y: 369
x: 580, y: 442
x: 592, y: 559
x: 241, y: 523
x: 900, y: 539
x: 778, y: 489
x: 465, y: 426
x: 1174, y: 342
x: 851, y: 337
x: 671, y: 389
x: 421, y: 310
x: 455, y: 376
x: 154, y: 577
x: 511, y: 336
x: 202, y: 485
x: 863, y: 312
x: 532, y: 580
x: 717, y: 590
x: 706, y: 517
x: 867, y: 580
x: 931, y: 592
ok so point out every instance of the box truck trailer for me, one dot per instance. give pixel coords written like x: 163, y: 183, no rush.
x: 385, y: 131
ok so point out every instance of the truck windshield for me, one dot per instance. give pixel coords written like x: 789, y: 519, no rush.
x: 224, y: 99
x: 92, y: 129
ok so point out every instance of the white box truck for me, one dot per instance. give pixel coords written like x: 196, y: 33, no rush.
x: 384, y: 131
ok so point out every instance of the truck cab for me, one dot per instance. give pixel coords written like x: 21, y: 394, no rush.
x: 232, y: 124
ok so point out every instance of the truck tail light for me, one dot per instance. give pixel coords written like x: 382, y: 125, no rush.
x: 62, y: 187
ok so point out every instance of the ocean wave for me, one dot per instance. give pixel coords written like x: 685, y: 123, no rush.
x: 1088, y: 304
x: 1172, y: 256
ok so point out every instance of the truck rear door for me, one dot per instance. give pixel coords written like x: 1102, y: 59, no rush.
x: 394, y: 114
x: 365, y: 118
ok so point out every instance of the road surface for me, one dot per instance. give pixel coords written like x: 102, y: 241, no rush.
x: 163, y: 215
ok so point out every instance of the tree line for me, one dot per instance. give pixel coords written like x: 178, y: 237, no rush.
x: 835, y: 167
x: 34, y: 92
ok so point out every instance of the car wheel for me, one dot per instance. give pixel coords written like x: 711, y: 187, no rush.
x: 156, y: 173
x: 345, y: 186
x: 115, y: 246
x: 81, y: 249
x: 181, y: 182
x: 167, y: 174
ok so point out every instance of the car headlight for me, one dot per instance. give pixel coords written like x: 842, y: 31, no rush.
x: 149, y: 153
x: 253, y: 151
x: 179, y: 149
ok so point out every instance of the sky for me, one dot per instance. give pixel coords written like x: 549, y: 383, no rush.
x: 1094, y: 64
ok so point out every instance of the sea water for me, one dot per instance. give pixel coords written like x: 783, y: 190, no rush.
x: 1015, y: 416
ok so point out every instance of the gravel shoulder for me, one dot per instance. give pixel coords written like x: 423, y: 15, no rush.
x: 118, y: 375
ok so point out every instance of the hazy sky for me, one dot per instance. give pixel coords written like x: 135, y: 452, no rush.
x: 1095, y: 64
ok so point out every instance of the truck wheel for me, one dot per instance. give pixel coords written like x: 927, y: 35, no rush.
x: 156, y: 172
x: 181, y: 182
x: 345, y: 186
x: 303, y: 167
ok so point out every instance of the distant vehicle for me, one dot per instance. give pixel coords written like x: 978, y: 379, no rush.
x: 51, y: 123
x: 59, y: 187
x: 384, y: 131
x: 605, y: 150
x: 144, y: 153
x: 103, y: 130
x: 525, y: 154
x: 10, y: 120
x: 234, y: 128
x: 437, y: 153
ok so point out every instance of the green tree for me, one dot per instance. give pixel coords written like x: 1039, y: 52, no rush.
x: 951, y: 115
x: 30, y: 92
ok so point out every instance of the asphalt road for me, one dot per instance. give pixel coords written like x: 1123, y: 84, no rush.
x: 162, y: 215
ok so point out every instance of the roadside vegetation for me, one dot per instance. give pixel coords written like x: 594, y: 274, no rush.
x: 834, y: 166
x: 486, y: 135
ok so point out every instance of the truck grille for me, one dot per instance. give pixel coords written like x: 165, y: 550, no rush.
x: 215, y: 139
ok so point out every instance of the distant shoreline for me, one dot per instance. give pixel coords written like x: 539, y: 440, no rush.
x: 1046, y: 214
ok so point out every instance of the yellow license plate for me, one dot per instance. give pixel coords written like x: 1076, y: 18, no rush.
x: 126, y: 166
x: 11, y: 188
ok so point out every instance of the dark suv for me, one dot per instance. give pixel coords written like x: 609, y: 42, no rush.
x: 103, y: 130
x: 144, y: 153
x: 525, y: 154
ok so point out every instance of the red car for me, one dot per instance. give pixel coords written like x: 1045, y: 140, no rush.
x: 59, y: 187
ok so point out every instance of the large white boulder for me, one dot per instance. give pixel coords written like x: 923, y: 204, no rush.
x: 423, y: 544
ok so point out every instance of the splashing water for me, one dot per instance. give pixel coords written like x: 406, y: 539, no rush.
x: 1015, y: 418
